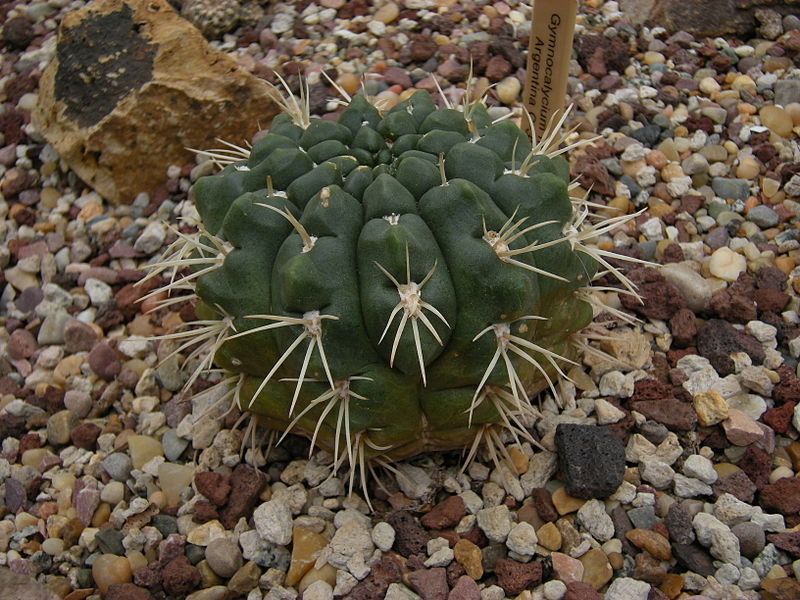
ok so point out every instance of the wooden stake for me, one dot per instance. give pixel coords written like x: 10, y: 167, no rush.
x: 549, y: 52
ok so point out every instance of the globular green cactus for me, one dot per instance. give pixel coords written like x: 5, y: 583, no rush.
x: 390, y: 283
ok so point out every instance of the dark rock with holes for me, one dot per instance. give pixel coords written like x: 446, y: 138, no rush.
x: 591, y: 460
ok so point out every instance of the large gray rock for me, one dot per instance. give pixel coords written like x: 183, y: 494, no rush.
x: 14, y: 586
x: 133, y: 85
x: 703, y: 17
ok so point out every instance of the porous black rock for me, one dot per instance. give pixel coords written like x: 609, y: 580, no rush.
x: 591, y: 460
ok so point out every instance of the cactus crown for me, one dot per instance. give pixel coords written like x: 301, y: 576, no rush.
x: 391, y: 282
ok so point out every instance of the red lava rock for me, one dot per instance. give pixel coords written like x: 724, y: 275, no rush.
x: 782, y: 496
x: 789, y: 387
x: 497, y: 68
x: 85, y: 435
x: 718, y: 339
x: 127, y: 591
x: 514, y: 577
x: 465, y: 589
x: 430, y: 584
x: 421, y: 49
x: 104, y: 361
x: 660, y: 299
x: 740, y: 307
x: 214, y: 486
x: 737, y: 484
x: 771, y: 278
x: 769, y: 300
x: 79, y: 337
x: 171, y: 547
x: 21, y: 344
x: 383, y: 573
x: 757, y: 464
x: 149, y: 576
x: 788, y: 541
x: 672, y: 413
x: 683, y: 327
x: 780, y: 417
x: 179, y: 577
x: 593, y: 174
x: 543, y: 503
x: 29, y: 441
x: 445, y: 514
x: 397, y: 76
x: 246, y: 485
x: 577, y: 590
x: 410, y: 537
x: 203, y: 512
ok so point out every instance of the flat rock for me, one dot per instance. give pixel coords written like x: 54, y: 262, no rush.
x: 133, y: 83
x: 701, y: 17
x: 15, y: 585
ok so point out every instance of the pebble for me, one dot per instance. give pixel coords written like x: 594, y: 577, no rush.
x: 495, y: 522
x: 726, y: 264
x: 224, y: 557
x: 777, y: 120
x: 508, y: 90
x: 109, y: 569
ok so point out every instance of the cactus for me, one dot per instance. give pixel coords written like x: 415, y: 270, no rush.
x: 391, y: 282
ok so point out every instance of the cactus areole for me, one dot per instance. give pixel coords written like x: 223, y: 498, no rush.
x: 391, y: 283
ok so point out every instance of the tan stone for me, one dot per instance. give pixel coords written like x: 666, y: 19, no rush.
x: 656, y: 544
x: 549, y: 536
x: 109, y: 569
x: 564, y: 503
x: 468, y: 555
x: 306, y: 546
x: 710, y: 407
x: 172, y: 478
x: 139, y: 86
x: 597, y: 570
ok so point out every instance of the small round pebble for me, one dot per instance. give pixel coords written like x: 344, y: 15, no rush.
x: 224, y: 557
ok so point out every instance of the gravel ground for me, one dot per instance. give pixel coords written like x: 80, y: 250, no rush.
x: 110, y: 487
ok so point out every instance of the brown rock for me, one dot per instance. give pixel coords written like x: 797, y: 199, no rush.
x: 465, y: 588
x: 127, y: 591
x: 782, y: 588
x: 135, y: 84
x: 214, y: 486
x: 782, y: 496
x: 543, y: 503
x: 410, y: 537
x: 514, y: 577
x: 672, y: 413
x: 179, y: 577
x: 659, y: 298
x: 246, y: 485
x: 104, y: 361
x: 788, y: 541
x: 779, y: 418
x: 79, y: 337
x: 577, y: 590
x: 445, y: 514
x: 383, y: 573
x: 430, y: 584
